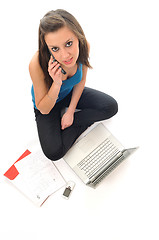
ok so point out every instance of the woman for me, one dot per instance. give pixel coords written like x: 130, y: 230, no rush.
x: 61, y: 35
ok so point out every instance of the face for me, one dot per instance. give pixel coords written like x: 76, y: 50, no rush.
x: 64, y: 46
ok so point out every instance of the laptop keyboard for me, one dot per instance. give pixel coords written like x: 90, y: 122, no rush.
x: 99, y: 156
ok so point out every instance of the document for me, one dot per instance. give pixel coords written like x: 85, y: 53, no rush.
x: 36, y: 176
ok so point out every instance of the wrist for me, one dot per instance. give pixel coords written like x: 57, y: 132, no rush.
x: 70, y: 110
x: 54, y: 92
x: 57, y: 84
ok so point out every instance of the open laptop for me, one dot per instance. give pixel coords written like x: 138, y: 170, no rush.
x: 94, y: 156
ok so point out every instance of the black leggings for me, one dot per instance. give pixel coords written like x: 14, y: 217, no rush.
x: 93, y: 106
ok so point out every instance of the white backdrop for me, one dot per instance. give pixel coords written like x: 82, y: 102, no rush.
x: 124, y: 41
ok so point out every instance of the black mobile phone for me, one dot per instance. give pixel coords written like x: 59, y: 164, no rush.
x: 68, y: 189
x: 67, y: 192
x: 62, y: 70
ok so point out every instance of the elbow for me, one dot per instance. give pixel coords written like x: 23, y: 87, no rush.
x: 43, y: 111
x: 43, y: 108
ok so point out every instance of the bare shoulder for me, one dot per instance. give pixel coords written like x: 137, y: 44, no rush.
x: 34, y: 61
x: 88, y: 45
x: 34, y: 67
x: 38, y: 79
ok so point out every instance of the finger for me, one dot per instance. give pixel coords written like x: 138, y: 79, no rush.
x: 50, y: 60
x: 62, y: 126
x: 52, y: 64
x: 59, y: 71
x: 53, y: 67
x: 56, y: 68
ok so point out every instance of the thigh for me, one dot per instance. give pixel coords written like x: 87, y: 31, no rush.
x: 49, y: 129
x: 54, y: 141
x: 51, y: 123
x: 94, y: 99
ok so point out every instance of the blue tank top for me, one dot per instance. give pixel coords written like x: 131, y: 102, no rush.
x: 67, y: 85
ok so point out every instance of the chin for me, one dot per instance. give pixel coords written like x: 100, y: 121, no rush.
x: 70, y: 65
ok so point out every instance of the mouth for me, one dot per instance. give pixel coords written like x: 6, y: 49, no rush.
x: 69, y: 61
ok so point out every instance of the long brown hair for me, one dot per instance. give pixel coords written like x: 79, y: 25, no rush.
x: 51, y: 22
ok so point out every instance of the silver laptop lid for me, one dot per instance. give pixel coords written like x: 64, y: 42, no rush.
x: 88, y: 143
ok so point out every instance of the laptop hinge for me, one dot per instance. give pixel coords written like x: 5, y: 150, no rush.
x: 106, y: 169
x: 105, y: 166
x: 106, y: 172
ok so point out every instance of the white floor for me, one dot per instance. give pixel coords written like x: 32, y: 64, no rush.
x: 124, y: 53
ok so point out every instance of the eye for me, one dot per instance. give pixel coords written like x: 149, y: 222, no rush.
x: 69, y: 44
x: 55, y: 49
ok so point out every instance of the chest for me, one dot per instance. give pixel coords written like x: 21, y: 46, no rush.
x: 70, y: 82
x: 69, y: 73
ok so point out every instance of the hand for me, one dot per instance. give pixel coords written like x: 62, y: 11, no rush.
x: 67, y: 120
x: 55, y: 71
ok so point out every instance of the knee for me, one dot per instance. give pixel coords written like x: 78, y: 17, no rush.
x: 53, y: 154
x: 111, y: 108
x: 114, y: 107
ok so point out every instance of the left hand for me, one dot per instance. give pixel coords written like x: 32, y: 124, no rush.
x: 67, y: 120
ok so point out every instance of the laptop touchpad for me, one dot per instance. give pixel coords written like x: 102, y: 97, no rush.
x: 86, y: 144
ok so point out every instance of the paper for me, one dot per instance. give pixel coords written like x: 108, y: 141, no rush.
x: 37, y: 177
x: 12, y: 172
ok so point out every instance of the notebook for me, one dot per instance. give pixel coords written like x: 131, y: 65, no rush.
x: 94, y: 156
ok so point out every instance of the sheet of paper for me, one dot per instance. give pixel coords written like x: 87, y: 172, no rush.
x: 39, y: 175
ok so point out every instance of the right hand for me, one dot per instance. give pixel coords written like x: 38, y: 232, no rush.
x: 55, y: 71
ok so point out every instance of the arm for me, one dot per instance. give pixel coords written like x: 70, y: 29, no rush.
x: 78, y: 89
x: 67, y: 118
x: 45, y: 98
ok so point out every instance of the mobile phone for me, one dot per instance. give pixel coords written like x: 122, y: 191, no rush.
x: 62, y: 70
x: 68, y: 189
x: 67, y: 192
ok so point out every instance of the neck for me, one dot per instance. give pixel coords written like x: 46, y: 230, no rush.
x: 70, y: 71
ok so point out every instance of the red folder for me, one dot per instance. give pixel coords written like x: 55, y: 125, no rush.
x: 12, y: 172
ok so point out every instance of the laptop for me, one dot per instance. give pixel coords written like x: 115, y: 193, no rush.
x: 94, y: 156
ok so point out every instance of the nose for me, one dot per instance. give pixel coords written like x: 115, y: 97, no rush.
x: 64, y: 54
